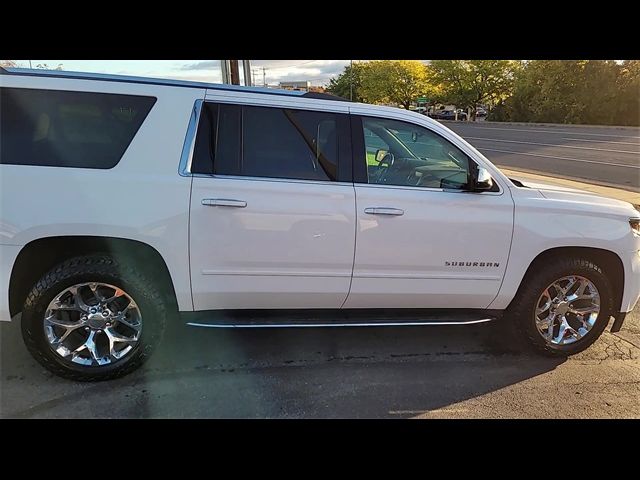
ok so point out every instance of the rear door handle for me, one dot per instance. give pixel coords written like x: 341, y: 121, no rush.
x: 223, y: 202
x: 383, y: 211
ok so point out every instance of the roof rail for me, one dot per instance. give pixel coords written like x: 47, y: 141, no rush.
x: 164, y: 81
x: 325, y: 96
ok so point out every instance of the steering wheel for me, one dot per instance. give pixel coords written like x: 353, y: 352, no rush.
x: 387, y: 160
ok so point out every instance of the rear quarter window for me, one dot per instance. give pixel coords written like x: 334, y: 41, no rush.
x: 68, y: 129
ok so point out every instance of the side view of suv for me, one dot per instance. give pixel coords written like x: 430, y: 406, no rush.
x: 130, y: 202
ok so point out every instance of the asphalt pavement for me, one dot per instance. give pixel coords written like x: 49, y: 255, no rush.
x: 476, y: 371
x: 604, y: 155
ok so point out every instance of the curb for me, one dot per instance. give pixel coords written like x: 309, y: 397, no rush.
x: 533, y: 125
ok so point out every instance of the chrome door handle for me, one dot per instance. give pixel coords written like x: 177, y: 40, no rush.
x: 223, y: 202
x: 383, y: 211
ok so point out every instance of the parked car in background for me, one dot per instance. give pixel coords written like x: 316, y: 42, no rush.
x: 481, y: 112
x: 449, y: 115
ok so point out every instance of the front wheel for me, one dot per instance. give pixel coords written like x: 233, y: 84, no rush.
x: 563, y: 306
x: 92, y: 318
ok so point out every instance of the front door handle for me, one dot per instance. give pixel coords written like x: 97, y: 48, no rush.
x: 383, y: 211
x: 223, y: 202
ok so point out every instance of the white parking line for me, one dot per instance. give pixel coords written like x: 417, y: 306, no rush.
x: 563, y: 132
x: 601, y: 141
x: 560, y: 158
x: 553, y: 145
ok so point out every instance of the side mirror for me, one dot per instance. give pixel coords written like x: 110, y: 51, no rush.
x: 380, y: 154
x: 482, y: 181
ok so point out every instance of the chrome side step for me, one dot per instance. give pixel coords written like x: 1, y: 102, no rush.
x: 351, y: 324
x: 337, y: 318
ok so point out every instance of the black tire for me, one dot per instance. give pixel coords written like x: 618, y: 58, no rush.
x: 93, y: 268
x: 522, y: 308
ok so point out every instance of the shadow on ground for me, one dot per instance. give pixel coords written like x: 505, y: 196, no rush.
x: 308, y: 372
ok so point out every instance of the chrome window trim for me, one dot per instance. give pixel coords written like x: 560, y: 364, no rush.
x: 190, y: 139
x: 270, y: 179
x: 427, y: 189
x: 184, y: 169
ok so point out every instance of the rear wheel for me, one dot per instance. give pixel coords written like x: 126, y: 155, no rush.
x: 92, y: 318
x: 564, y: 306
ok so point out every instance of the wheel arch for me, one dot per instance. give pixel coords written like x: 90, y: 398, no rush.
x: 39, y: 256
x: 610, y: 262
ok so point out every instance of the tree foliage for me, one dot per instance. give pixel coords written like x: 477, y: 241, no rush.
x: 397, y: 82
x: 574, y: 91
x: 468, y: 83
x: 349, y: 83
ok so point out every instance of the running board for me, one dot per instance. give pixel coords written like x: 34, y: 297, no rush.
x: 337, y: 318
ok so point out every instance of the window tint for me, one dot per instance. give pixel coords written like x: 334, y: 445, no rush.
x: 68, y: 129
x: 205, y: 145
x: 400, y: 153
x: 289, y: 144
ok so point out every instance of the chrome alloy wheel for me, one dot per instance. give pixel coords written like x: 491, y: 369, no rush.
x: 567, y: 310
x: 92, y: 324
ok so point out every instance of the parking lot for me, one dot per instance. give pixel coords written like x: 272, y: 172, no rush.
x: 429, y: 372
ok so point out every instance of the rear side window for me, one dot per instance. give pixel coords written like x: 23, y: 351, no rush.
x: 68, y: 129
x: 286, y: 143
x: 268, y: 142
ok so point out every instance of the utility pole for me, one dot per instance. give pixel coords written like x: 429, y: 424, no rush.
x: 351, y: 80
x: 264, y: 77
x: 246, y: 66
x: 234, y: 71
x: 225, y: 67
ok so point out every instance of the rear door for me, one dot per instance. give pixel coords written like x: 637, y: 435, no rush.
x: 272, y: 207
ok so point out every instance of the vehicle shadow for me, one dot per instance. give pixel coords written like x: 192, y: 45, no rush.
x: 281, y: 373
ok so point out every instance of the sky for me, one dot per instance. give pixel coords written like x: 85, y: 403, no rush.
x: 317, y: 71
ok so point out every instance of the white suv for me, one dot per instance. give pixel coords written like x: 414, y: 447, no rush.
x: 129, y: 201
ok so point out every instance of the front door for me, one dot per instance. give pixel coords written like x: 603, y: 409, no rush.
x: 272, y: 223
x: 423, y: 240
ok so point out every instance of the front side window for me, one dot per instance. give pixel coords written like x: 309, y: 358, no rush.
x: 68, y: 129
x: 404, y: 154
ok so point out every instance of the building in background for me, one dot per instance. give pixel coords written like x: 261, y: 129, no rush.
x: 301, y: 85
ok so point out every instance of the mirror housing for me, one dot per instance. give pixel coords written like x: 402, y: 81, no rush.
x: 482, y: 180
x: 380, y: 154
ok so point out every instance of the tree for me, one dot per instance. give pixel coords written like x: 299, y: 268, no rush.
x: 576, y: 91
x: 348, y: 83
x: 467, y: 83
x: 628, y: 101
x: 398, y: 82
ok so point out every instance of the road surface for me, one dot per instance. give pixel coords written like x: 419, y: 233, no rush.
x: 607, y: 156
x: 386, y: 372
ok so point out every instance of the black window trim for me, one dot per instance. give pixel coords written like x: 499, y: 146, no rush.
x: 360, y: 176
x: 125, y: 149
x: 344, y: 132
